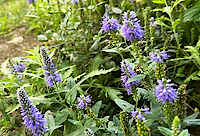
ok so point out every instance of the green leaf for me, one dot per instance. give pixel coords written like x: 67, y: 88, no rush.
x: 193, y: 116
x: 176, y: 3
x: 116, y: 121
x: 184, y: 133
x: 91, y: 74
x: 61, y: 116
x: 50, y: 121
x: 158, y: 22
x: 192, y: 14
x: 165, y: 131
x: 12, y: 108
x: 70, y: 83
x: 96, y: 107
x: 124, y: 105
x: 116, y: 10
x: 192, y: 121
x: 136, y: 77
x: 42, y: 38
x: 95, y: 45
x: 81, y: 130
x: 113, y: 93
x: 40, y: 100
x: 71, y: 97
x: 168, y: 10
x: 51, y: 129
x: 175, y: 23
x: 159, y: 1
x: 3, y: 107
x: 110, y: 50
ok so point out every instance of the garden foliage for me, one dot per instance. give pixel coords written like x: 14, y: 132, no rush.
x: 106, y: 68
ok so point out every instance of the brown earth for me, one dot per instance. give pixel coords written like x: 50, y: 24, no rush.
x: 15, y: 42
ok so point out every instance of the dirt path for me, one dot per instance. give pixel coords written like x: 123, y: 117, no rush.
x: 16, y: 42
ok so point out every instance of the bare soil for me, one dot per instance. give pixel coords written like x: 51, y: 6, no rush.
x: 10, y: 48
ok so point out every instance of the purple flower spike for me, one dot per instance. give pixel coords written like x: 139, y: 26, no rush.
x: 159, y: 56
x: 20, y: 67
x: 133, y: 113
x: 140, y: 116
x: 31, y: 1
x: 127, y: 73
x: 83, y: 101
x: 165, y: 91
x: 110, y: 24
x: 75, y: 2
x: 131, y: 28
x: 50, y: 72
x: 138, y: 113
x: 33, y: 119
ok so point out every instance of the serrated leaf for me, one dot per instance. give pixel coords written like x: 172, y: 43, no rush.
x: 91, y: 74
x: 12, y: 108
x: 113, y: 93
x: 192, y: 14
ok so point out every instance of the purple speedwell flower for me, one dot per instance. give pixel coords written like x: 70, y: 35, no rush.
x: 31, y: 1
x: 131, y: 28
x: 84, y: 101
x: 50, y: 72
x: 159, y: 56
x: 110, y: 24
x: 127, y: 73
x: 138, y: 113
x: 17, y: 69
x: 165, y: 91
x: 20, y: 67
x: 74, y: 1
x: 33, y: 119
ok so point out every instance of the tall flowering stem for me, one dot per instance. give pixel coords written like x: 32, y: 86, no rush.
x: 181, y: 103
x: 131, y: 29
x: 159, y: 58
x: 140, y: 120
x: 50, y: 72
x: 110, y: 24
x: 176, y: 126
x: 167, y: 95
x: 124, y: 119
x: 31, y: 1
x: 83, y: 101
x: 17, y: 69
x: 33, y: 119
x: 127, y: 73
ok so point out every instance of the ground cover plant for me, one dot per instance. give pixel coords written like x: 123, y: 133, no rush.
x: 106, y: 68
